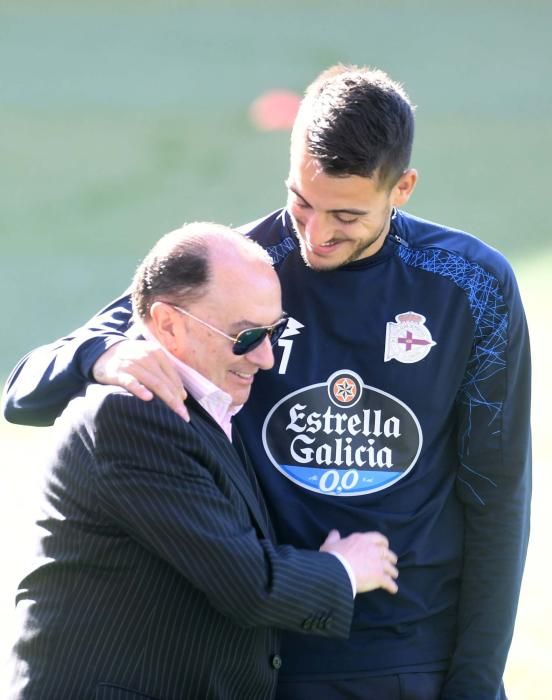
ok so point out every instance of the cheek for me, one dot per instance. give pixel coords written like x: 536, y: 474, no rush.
x: 208, y: 363
x: 368, y: 229
x: 297, y: 214
x: 221, y: 363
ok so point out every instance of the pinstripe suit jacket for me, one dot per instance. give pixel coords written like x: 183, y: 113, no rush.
x: 157, y: 575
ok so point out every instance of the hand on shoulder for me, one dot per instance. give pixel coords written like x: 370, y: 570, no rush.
x: 142, y: 368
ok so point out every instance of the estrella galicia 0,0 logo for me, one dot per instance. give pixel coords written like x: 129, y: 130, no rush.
x: 341, y: 437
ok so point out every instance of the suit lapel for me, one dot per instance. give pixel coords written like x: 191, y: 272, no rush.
x: 239, y: 446
x: 237, y: 467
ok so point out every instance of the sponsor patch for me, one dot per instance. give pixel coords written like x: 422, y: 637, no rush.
x: 341, y: 437
x: 408, y: 340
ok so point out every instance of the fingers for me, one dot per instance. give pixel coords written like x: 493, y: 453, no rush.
x: 132, y: 385
x: 389, y: 584
x: 144, y: 370
x: 332, y: 538
x: 382, y: 574
x: 371, y: 560
x: 154, y: 374
x: 391, y: 573
x: 388, y: 556
x: 378, y: 539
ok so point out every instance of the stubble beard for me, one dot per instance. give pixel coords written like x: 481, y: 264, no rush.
x: 361, y: 246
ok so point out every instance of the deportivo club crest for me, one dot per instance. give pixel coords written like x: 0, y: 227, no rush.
x: 342, y: 437
x: 408, y: 340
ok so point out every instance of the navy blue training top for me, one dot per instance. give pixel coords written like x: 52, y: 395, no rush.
x: 399, y: 402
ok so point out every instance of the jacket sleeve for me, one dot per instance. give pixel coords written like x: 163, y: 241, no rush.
x: 44, y: 381
x: 166, y: 494
x: 494, y: 485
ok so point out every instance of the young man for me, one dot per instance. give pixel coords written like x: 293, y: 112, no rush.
x: 157, y: 573
x: 399, y: 401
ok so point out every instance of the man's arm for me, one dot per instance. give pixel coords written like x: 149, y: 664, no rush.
x: 494, y: 483
x: 103, y: 350
x: 45, y: 380
x: 164, y: 493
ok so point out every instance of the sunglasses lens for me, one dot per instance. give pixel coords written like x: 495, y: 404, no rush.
x: 248, y: 340
x: 251, y: 338
x: 277, y: 330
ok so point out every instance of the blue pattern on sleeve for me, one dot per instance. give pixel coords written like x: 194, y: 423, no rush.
x: 490, y: 316
x: 279, y: 252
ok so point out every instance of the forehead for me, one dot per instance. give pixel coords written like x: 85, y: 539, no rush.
x: 244, y: 290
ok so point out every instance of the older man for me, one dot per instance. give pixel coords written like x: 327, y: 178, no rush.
x: 157, y: 573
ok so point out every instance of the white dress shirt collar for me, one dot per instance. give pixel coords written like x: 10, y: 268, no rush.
x: 214, y: 400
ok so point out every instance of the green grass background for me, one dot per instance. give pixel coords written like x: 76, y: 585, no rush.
x: 121, y: 119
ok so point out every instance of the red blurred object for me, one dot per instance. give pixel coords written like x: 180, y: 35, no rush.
x: 275, y: 110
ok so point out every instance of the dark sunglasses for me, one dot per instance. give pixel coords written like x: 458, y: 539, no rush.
x: 248, y: 339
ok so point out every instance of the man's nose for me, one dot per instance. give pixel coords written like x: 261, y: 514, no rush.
x: 262, y: 355
x: 316, y: 229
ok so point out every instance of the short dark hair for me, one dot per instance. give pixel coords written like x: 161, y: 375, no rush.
x: 358, y: 121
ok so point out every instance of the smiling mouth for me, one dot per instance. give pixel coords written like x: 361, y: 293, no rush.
x: 248, y: 376
x: 324, y: 248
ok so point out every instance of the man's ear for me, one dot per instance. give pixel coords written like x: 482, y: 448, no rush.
x: 400, y: 194
x: 163, y: 325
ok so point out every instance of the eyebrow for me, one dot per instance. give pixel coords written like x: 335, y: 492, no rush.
x: 353, y: 212
x: 245, y: 324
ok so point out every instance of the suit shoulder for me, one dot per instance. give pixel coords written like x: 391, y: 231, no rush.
x: 100, y: 407
x: 95, y: 398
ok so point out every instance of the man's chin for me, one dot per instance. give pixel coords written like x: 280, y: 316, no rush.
x: 240, y: 397
x: 321, y: 265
